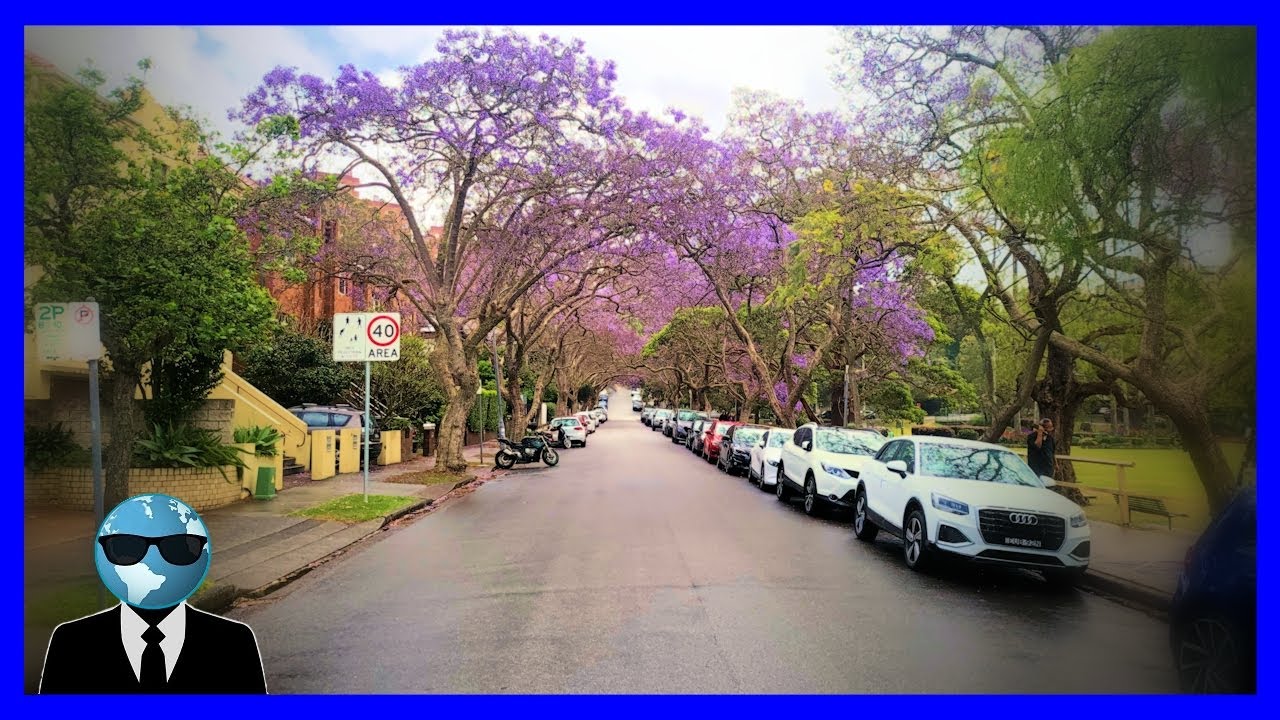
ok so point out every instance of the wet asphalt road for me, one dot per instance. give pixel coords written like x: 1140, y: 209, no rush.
x: 634, y: 567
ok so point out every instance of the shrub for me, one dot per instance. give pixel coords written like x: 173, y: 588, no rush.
x: 1086, y: 427
x: 51, y: 446
x: 967, y: 434
x: 176, y: 446
x: 484, y: 413
x: 936, y: 431
x: 264, y: 438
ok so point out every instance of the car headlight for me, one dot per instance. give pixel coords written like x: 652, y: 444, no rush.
x: 1079, y: 520
x: 942, y: 502
x: 836, y: 471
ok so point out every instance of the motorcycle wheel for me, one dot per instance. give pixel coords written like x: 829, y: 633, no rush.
x: 504, y: 460
x: 550, y: 457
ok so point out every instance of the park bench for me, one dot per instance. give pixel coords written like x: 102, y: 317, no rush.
x: 1153, y: 506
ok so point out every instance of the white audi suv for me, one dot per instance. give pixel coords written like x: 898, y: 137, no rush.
x: 972, y: 500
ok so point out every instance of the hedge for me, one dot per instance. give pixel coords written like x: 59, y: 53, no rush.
x: 486, y: 403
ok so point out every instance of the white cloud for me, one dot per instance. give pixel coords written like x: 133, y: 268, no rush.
x: 694, y: 69
x: 181, y: 74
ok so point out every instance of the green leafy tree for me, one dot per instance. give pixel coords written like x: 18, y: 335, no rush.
x: 293, y: 368
x: 140, y: 220
x: 408, y: 387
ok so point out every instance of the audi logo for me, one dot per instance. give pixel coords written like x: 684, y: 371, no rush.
x: 1023, y: 519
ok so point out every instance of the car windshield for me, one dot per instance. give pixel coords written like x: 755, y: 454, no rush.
x: 850, y: 442
x: 747, y: 436
x: 687, y: 415
x: 976, y: 463
x: 778, y: 438
x: 569, y: 422
x: 722, y: 429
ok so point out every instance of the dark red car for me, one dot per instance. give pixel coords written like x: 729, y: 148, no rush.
x: 712, y: 437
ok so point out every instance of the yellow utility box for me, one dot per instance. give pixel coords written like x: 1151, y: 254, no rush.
x: 390, y: 452
x: 324, y: 453
x: 349, y: 454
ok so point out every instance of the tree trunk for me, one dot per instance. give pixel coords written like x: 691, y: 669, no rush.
x: 118, y: 455
x: 1026, y: 383
x: 837, y: 404
x: 1191, y: 419
x: 460, y: 377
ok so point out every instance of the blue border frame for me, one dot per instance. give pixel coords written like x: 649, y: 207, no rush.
x: 578, y: 13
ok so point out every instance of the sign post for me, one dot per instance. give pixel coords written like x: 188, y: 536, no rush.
x: 367, y: 338
x: 72, y: 331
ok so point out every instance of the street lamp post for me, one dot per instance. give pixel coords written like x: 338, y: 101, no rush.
x: 484, y: 417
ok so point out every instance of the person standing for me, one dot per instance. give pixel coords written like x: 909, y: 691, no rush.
x: 1040, y: 449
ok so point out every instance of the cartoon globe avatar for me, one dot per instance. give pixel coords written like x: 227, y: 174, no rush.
x: 152, y: 551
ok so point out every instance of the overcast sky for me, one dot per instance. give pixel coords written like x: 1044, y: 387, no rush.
x: 694, y: 69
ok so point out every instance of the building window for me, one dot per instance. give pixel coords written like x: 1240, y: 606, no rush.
x: 330, y: 231
x: 342, y: 285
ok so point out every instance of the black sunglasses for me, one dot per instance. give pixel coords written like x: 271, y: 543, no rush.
x: 130, y: 549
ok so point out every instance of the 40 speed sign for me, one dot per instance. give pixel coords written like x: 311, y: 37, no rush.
x: 364, y: 337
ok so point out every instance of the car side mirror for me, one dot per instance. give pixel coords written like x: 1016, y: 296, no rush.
x: 1048, y: 481
x: 897, y: 466
x: 805, y: 445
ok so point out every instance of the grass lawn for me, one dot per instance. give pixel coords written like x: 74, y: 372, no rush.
x: 429, y: 477
x: 354, y: 508
x: 1163, y: 472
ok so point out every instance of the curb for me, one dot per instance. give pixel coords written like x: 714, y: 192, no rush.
x: 1127, y: 592
x: 415, y: 507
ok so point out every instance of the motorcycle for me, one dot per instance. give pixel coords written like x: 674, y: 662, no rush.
x: 530, y: 450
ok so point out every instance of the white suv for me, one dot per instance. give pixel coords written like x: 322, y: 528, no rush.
x: 823, y: 464
x: 974, y: 500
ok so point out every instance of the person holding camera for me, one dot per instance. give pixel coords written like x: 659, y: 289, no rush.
x: 1040, y: 449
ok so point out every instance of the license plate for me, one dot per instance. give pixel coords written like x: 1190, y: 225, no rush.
x: 1023, y: 543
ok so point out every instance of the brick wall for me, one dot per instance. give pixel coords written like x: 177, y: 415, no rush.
x: 72, y: 488
x: 68, y: 404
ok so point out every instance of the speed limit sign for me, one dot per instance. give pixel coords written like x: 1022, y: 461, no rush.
x: 365, y: 337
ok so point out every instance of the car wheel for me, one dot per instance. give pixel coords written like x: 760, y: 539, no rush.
x: 780, y: 486
x: 810, y: 496
x: 863, y: 528
x: 915, y: 540
x: 1208, y: 657
x: 751, y: 475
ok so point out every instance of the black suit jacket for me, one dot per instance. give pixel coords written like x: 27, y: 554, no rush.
x: 87, y: 656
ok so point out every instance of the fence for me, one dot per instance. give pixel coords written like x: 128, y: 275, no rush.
x: 1120, y: 492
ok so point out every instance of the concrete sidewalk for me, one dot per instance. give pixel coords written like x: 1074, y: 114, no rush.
x: 257, y: 546
x: 1140, y: 567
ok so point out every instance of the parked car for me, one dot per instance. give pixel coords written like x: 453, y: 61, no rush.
x: 822, y: 465
x: 1213, y: 616
x: 763, y: 467
x: 683, y: 424
x: 972, y: 500
x: 575, y: 432
x: 587, y: 421
x: 636, y: 403
x: 712, y: 438
x: 695, y: 430
x: 735, y: 448
x: 646, y: 415
x: 332, y: 417
x: 659, y: 417
x: 698, y: 435
x: 600, y: 415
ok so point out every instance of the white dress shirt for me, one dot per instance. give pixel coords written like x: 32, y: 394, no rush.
x: 174, y: 627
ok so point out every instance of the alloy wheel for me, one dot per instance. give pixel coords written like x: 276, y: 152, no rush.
x: 860, y: 513
x: 810, y: 496
x: 1207, y: 657
x: 913, y: 539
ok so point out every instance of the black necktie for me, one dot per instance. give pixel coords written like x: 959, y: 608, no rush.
x: 153, y: 677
